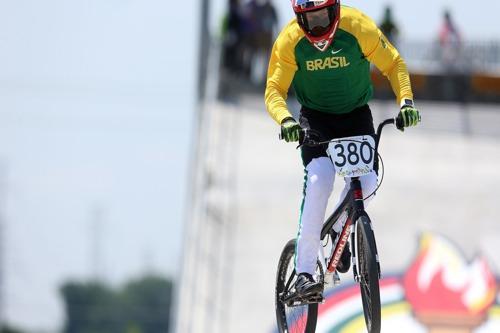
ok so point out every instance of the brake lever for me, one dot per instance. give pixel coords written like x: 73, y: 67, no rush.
x: 302, y: 137
x: 308, y: 142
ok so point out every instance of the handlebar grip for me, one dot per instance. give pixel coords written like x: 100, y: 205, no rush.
x: 399, y: 122
x: 301, y: 135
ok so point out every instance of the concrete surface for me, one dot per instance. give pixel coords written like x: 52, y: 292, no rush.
x: 442, y: 176
x: 436, y: 179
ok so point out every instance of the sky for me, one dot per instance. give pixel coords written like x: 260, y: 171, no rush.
x: 96, y: 113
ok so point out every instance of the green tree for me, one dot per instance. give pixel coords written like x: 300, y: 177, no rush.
x: 142, y: 306
x: 91, y: 308
x: 9, y: 329
x: 147, y: 303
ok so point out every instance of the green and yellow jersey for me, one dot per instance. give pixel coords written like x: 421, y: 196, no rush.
x: 338, y: 79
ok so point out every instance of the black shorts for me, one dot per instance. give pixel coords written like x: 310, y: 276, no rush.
x: 332, y: 126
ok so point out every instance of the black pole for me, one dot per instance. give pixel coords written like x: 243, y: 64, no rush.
x: 204, y: 48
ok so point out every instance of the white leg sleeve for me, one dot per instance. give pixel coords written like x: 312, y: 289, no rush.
x: 320, y: 175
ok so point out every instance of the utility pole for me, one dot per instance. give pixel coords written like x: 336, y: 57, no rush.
x: 96, y: 232
x: 3, y: 238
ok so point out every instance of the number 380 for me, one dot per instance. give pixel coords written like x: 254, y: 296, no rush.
x: 352, y: 153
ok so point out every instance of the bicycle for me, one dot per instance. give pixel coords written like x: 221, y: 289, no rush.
x: 299, y: 315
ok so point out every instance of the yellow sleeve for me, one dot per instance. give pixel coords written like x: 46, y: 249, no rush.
x: 379, y: 51
x: 282, y: 68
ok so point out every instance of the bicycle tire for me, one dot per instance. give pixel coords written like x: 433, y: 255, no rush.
x: 296, y: 319
x: 368, y: 273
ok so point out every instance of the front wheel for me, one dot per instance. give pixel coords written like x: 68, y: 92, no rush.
x: 292, y: 316
x: 368, y: 273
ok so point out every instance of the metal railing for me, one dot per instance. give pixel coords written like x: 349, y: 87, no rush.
x: 471, y: 57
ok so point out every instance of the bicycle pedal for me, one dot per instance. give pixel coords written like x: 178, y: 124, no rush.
x: 314, y: 298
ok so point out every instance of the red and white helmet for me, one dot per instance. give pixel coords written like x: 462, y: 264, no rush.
x: 318, y: 19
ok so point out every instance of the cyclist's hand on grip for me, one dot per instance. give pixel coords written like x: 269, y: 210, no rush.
x: 408, y: 116
x: 290, y: 130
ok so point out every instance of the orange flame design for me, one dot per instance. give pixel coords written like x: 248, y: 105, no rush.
x: 440, y: 281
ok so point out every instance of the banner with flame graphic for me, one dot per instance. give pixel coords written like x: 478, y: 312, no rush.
x: 439, y: 293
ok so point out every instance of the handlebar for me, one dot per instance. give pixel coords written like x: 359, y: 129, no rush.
x: 306, y: 138
x: 312, y: 138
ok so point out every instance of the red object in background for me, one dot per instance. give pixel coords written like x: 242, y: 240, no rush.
x: 446, y: 294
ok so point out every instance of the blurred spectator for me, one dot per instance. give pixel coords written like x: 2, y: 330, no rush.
x: 260, y: 25
x: 456, y: 80
x: 232, y: 34
x: 450, y: 42
x: 388, y: 26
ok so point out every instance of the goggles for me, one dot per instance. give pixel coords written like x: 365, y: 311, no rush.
x: 318, y: 22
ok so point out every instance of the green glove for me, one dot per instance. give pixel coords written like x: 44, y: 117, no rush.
x: 290, y: 130
x: 409, y: 115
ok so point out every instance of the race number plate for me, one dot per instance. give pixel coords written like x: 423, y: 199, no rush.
x: 353, y: 156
